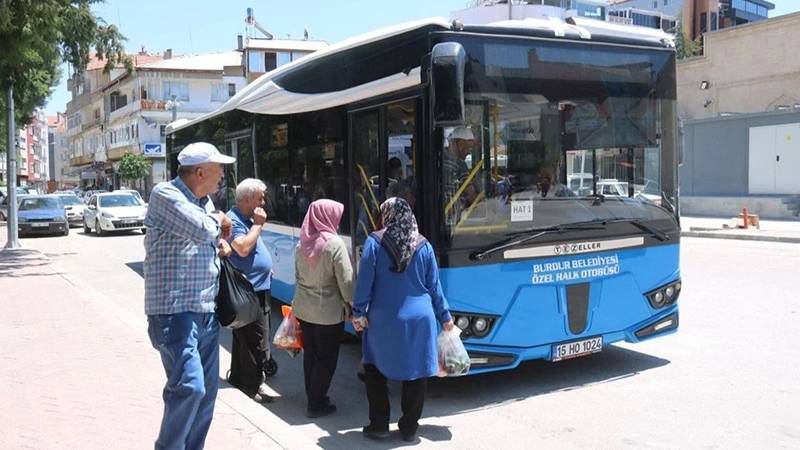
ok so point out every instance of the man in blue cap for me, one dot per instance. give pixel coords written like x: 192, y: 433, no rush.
x: 185, y: 238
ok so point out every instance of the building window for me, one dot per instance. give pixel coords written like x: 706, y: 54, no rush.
x: 655, y: 4
x: 219, y: 92
x: 298, y: 55
x: 162, y: 130
x: 255, y: 61
x: 703, y: 22
x: 117, y: 101
x: 666, y: 2
x: 284, y: 58
x: 270, y: 61
x: 714, y: 23
x: 180, y: 89
x: 231, y: 89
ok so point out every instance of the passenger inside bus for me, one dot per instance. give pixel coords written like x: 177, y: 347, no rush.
x: 458, y: 183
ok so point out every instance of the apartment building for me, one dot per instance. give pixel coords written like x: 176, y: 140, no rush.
x: 60, y: 177
x: 696, y: 16
x: 140, y: 105
x: 85, y: 120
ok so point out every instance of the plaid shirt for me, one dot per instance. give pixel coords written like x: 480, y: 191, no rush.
x: 181, y: 267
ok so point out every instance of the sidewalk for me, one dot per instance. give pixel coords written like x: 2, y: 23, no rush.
x: 786, y: 231
x: 80, y: 373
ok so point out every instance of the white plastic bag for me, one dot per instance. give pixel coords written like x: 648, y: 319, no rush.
x: 453, y: 357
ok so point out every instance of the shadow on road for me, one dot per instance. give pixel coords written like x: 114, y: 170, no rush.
x: 136, y: 266
x: 18, y: 263
x: 120, y: 233
x: 446, y: 397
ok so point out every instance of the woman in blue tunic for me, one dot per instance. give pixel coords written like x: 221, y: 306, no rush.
x: 399, y: 305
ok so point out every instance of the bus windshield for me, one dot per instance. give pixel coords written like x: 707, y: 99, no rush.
x: 558, y: 133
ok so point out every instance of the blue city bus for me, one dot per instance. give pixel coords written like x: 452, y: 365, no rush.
x: 540, y: 158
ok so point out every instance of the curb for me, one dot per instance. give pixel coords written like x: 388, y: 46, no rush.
x: 740, y: 237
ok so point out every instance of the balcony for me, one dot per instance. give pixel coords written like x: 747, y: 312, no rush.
x: 138, y: 105
x: 81, y: 160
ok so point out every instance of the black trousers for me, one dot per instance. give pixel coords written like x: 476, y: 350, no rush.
x: 320, y: 357
x: 250, y: 350
x: 411, y: 403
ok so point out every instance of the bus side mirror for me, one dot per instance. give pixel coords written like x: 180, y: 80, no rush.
x: 448, y: 60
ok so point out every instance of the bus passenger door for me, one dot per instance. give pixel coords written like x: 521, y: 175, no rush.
x: 365, y: 175
x: 382, y: 154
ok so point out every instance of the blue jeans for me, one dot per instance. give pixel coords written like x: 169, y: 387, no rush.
x: 189, y: 347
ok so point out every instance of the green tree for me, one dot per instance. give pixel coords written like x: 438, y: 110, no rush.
x: 133, y: 167
x: 36, y: 36
x: 685, y: 47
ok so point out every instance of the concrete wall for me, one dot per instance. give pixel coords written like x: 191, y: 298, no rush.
x: 714, y: 171
x: 716, y: 152
x: 750, y: 68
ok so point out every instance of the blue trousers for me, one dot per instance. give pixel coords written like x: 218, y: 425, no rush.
x: 189, y: 347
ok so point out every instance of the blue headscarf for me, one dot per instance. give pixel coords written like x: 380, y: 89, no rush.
x: 400, y: 235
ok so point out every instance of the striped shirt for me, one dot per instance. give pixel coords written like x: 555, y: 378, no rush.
x: 181, y: 267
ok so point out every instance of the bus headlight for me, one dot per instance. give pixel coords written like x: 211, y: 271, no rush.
x: 479, y: 325
x: 664, y: 295
x: 473, y: 325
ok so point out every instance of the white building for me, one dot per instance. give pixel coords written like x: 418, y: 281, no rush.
x: 262, y: 55
x: 489, y: 11
x: 140, y: 105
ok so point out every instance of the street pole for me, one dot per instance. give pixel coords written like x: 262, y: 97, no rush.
x: 174, y: 109
x: 11, y: 172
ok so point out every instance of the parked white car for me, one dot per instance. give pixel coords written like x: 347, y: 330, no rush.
x: 74, y: 206
x: 612, y: 187
x: 133, y: 192
x: 112, y: 211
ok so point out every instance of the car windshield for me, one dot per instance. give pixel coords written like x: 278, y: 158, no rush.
x: 29, y: 204
x: 111, y: 201
x: 70, y: 200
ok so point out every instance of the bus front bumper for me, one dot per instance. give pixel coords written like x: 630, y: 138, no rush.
x: 490, y: 358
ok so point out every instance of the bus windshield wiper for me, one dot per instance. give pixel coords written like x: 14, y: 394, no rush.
x: 658, y: 234
x: 597, y: 224
x: 538, y: 231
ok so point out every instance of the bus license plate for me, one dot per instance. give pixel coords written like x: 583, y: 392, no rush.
x: 577, y: 348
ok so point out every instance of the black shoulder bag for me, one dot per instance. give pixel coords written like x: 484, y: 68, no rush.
x: 237, y: 302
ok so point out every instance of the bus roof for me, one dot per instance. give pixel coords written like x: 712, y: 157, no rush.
x: 290, y: 89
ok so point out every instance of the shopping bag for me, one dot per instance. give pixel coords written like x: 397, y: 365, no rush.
x: 289, y: 335
x: 453, y: 357
x: 237, y: 302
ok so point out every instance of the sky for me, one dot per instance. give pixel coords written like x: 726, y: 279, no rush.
x: 202, y: 26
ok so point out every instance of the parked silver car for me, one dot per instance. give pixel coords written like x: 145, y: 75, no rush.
x: 75, y: 208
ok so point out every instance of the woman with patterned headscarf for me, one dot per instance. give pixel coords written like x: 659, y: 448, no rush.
x: 399, y: 305
x: 322, y: 299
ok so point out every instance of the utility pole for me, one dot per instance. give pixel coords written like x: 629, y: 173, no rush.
x: 11, y: 171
